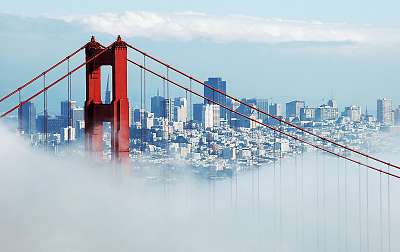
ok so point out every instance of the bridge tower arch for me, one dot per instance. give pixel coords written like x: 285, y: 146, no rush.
x: 117, y: 112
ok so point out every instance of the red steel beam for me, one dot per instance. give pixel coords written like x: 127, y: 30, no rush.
x: 263, y: 112
x: 264, y: 124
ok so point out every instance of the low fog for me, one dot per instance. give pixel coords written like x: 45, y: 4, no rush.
x: 303, y: 203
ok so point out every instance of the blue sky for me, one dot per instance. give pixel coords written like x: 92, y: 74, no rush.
x: 309, y: 49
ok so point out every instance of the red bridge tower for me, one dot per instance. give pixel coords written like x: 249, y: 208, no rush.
x: 117, y: 112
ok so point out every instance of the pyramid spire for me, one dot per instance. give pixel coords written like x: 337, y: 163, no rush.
x: 108, y: 92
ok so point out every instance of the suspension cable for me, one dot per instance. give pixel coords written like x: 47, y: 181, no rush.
x: 263, y: 112
x: 55, y: 82
x: 267, y: 125
x: 41, y: 74
x: 45, y: 112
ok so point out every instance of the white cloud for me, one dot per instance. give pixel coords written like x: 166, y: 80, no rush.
x: 188, y: 26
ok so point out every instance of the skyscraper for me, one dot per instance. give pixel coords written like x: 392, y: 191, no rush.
x: 197, y: 112
x: 293, y: 108
x: 107, y: 99
x: 157, y: 106
x: 262, y: 104
x: 353, y: 112
x: 211, y: 115
x: 326, y: 113
x: 219, y: 84
x: 180, y: 109
x: 307, y: 114
x: 275, y: 109
x: 27, y: 118
x: 67, y: 111
x: 384, y: 111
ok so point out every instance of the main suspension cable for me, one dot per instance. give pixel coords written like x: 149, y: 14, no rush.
x: 263, y: 112
x: 266, y: 125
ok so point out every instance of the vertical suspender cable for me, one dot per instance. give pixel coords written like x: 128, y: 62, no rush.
x: 45, y: 112
x: 140, y: 111
x: 302, y: 196
x: 274, y: 195
x: 367, y: 207
x: 144, y: 120
x: 359, y: 209
x: 380, y: 213
x: 317, y: 201
x: 324, y: 201
x: 280, y: 190
x: 69, y: 104
x: 168, y: 98
x: 339, y: 231
x: 388, y: 211
x: 345, y: 208
x: 19, y: 112
x: 190, y: 103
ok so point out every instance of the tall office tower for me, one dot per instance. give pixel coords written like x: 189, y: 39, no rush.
x: 27, y: 118
x: 262, y: 104
x: 180, y: 109
x: 247, y: 111
x: 78, y: 114
x: 293, y: 108
x: 131, y: 116
x: 275, y: 109
x: 332, y: 103
x: 211, y: 116
x: 218, y: 84
x: 67, y: 109
x: 138, y: 115
x: 326, y: 113
x: 353, y: 112
x: 397, y: 116
x: 168, y: 109
x: 157, y: 106
x: 307, y: 114
x: 107, y: 99
x: 198, y: 112
x: 384, y: 111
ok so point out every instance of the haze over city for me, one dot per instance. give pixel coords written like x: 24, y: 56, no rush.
x: 199, y: 125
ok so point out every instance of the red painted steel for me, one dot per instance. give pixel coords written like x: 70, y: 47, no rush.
x: 266, y: 125
x: 118, y: 111
x: 263, y: 112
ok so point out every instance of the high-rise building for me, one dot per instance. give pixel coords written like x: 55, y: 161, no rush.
x: 157, y: 106
x: 244, y: 121
x: 326, y: 113
x: 275, y: 109
x: 332, y: 103
x: 107, y: 99
x: 180, y: 109
x: 198, y: 112
x: 211, y: 116
x: 55, y: 124
x: 27, y: 118
x: 168, y: 109
x: 307, y: 114
x: 67, y: 111
x: 262, y: 104
x: 218, y: 84
x: 293, y: 108
x: 397, y: 116
x: 384, y: 111
x: 78, y: 114
x: 353, y: 112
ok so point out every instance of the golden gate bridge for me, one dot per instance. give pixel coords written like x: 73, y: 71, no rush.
x: 117, y: 112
